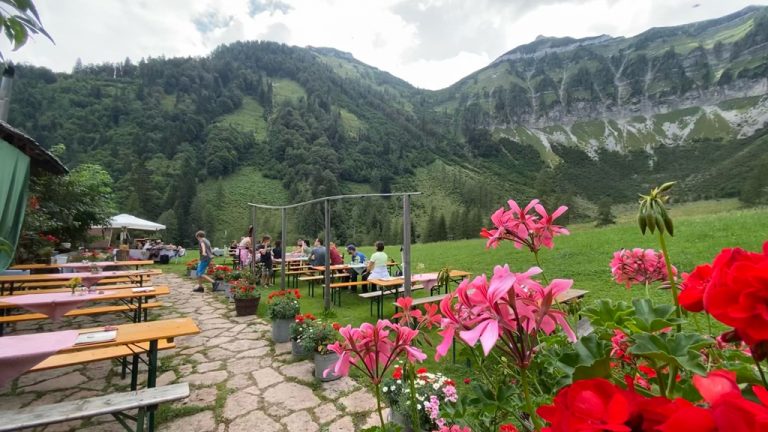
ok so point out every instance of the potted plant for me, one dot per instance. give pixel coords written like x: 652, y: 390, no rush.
x: 219, y: 274
x: 230, y: 279
x: 192, y: 268
x: 431, y: 391
x: 246, y: 297
x: 316, y: 338
x: 299, y: 326
x: 283, y: 307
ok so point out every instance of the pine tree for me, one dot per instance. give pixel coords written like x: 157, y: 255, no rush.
x: 441, y: 232
x: 604, y: 214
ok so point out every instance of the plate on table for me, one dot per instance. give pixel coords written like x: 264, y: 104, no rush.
x: 96, y: 337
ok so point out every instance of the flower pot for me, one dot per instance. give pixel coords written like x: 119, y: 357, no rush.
x: 401, y: 420
x: 246, y: 306
x: 281, y: 330
x: 298, y: 351
x: 323, y: 362
x: 193, y: 274
x: 221, y: 286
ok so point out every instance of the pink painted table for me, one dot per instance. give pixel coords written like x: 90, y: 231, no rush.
x: 54, y: 305
x: 18, y: 354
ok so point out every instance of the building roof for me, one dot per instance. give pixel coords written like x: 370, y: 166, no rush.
x: 40, y: 157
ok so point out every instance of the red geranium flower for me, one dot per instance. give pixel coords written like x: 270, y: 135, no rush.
x: 467, y: 381
x: 507, y: 428
x: 693, y: 287
x: 336, y: 326
x: 421, y: 371
x: 398, y: 373
x: 588, y: 405
x: 738, y: 293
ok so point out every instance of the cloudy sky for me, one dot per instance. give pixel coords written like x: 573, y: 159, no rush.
x: 429, y: 43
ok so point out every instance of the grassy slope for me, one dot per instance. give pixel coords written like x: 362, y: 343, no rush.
x: 250, y: 117
x: 229, y: 197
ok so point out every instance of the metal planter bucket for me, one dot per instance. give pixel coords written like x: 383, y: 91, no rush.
x: 281, y: 330
x: 323, y: 362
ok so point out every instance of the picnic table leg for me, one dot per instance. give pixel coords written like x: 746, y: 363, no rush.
x: 152, y: 381
x: 134, y: 371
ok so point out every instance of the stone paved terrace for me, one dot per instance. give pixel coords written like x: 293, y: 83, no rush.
x: 240, y: 380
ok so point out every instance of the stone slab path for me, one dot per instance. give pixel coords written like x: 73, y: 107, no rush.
x: 240, y: 380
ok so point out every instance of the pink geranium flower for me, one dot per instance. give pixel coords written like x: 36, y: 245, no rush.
x: 508, y: 311
x: 524, y: 227
x: 639, y: 266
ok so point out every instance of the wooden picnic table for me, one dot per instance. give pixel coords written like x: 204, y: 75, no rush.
x: 135, y: 335
x: 385, y: 285
x: 76, y: 265
x: 9, y: 283
x: 134, y: 300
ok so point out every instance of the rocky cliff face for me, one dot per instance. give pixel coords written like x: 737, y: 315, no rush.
x: 664, y: 86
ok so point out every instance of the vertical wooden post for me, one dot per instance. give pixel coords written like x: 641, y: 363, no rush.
x: 407, y: 245
x: 327, y: 275
x: 253, y: 240
x: 282, y: 247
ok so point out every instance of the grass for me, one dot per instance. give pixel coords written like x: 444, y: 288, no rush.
x: 249, y: 117
x: 285, y: 90
x: 702, y: 230
x: 228, y: 197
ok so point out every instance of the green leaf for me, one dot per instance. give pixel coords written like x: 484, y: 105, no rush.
x: 605, y: 313
x: 20, y: 34
x: 590, y: 359
x: 680, y: 349
x: 650, y: 318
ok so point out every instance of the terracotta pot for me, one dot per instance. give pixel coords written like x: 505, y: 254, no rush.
x: 246, y: 306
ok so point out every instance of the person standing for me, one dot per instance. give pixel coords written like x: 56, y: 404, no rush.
x: 277, y: 250
x: 206, y: 253
x: 265, y: 259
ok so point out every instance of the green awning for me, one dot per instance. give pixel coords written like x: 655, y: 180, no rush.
x: 14, y: 181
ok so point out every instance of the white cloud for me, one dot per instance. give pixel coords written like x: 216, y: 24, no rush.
x: 430, y: 43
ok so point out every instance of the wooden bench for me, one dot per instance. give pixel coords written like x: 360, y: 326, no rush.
x: 566, y: 297
x: 121, y: 353
x: 317, y: 278
x: 100, y: 310
x: 89, y: 356
x: 116, y: 404
x: 379, y: 295
x: 57, y: 284
x: 424, y: 300
x: 571, y: 295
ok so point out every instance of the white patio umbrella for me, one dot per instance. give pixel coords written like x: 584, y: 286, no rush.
x: 126, y: 222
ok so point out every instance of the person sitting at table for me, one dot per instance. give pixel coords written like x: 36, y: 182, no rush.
x: 377, y: 265
x: 336, y: 258
x: 355, y: 259
x: 317, y: 256
x: 302, y: 248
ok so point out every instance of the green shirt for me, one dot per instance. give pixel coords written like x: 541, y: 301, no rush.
x: 379, y: 259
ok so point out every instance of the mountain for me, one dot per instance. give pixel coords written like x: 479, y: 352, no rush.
x: 189, y: 141
x: 664, y: 86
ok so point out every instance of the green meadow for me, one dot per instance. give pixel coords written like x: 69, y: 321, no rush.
x: 701, y: 230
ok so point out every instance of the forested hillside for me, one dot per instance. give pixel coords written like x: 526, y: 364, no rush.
x: 189, y: 141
